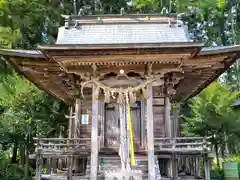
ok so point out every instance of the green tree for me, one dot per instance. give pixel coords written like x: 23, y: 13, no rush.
x: 211, y: 115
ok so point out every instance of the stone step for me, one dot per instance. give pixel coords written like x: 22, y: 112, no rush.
x: 113, y: 163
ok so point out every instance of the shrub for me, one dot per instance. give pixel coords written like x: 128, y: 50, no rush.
x: 217, y: 174
x: 10, y: 171
x: 233, y: 158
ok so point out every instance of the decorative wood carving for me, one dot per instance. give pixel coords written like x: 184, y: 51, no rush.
x: 198, y: 70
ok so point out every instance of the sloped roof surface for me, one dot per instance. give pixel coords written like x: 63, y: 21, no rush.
x: 236, y: 103
x: 122, y: 34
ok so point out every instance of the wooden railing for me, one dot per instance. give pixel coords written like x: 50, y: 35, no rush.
x: 62, y: 146
x: 75, y: 146
x: 183, y: 144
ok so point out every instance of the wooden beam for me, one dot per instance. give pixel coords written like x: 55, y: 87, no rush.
x: 123, y: 58
x: 94, y: 138
x: 150, y: 134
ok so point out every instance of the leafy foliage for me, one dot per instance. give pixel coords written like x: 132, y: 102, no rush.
x: 26, y: 112
x: 10, y: 171
x: 212, y: 114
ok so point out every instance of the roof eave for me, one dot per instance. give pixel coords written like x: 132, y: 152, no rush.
x: 22, y: 53
x: 120, y: 46
x: 219, y: 50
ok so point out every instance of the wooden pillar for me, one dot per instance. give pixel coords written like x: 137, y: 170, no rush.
x: 76, y: 132
x: 77, y: 118
x: 206, y: 167
x: 49, y: 167
x: 94, y: 138
x: 143, y: 124
x: 150, y: 134
x: 70, y: 135
x: 176, y: 115
x: 167, y: 117
x: 69, y: 172
x: 168, y: 128
x: 198, y: 168
x: 38, y: 165
x: 175, y: 167
x: 174, y: 134
x: 101, y: 115
x: 60, y: 160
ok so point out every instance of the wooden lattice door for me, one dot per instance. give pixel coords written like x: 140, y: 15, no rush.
x: 112, y: 125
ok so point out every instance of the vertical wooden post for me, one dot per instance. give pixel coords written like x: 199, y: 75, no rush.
x: 175, y: 133
x: 101, y: 112
x: 175, y: 167
x: 167, y: 117
x: 168, y: 127
x: 77, y: 118
x: 94, y: 138
x: 70, y: 135
x: 150, y: 134
x: 38, y: 165
x: 49, y: 170
x: 198, y: 169
x: 69, y: 172
x: 143, y: 124
x: 76, y: 131
x: 206, y: 167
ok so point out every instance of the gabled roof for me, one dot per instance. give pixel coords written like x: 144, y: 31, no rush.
x: 122, y: 34
x: 122, y: 30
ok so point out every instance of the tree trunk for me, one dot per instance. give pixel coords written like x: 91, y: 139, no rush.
x: 22, y: 155
x: 217, y: 155
x: 26, y: 170
x: 226, y: 148
x: 14, y: 153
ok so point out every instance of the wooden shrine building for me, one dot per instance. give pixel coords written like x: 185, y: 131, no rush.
x: 107, y: 67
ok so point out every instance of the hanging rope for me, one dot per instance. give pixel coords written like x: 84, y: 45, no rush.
x: 122, y: 95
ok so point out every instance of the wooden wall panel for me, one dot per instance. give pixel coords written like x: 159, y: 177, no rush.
x: 158, y: 117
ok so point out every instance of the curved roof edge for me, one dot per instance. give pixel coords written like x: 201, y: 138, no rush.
x: 22, y: 53
x: 219, y: 50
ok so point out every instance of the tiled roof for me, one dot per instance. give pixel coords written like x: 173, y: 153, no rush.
x: 219, y: 49
x: 236, y: 103
x: 123, y: 34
